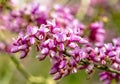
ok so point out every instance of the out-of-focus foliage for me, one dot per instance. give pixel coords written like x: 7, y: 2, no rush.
x: 6, y: 69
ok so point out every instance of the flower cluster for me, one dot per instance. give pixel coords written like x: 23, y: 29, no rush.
x: 17, y: 20
x: 52, y: 40
x: 107, y: 77
x: 97, y: 33
x: 57, y: 34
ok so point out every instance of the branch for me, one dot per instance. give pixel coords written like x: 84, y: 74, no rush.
x: 104, y: 68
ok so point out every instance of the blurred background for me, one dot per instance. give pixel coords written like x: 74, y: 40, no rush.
x: 87, y: 11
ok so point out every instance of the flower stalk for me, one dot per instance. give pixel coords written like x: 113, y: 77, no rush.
x: 31, y: 79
